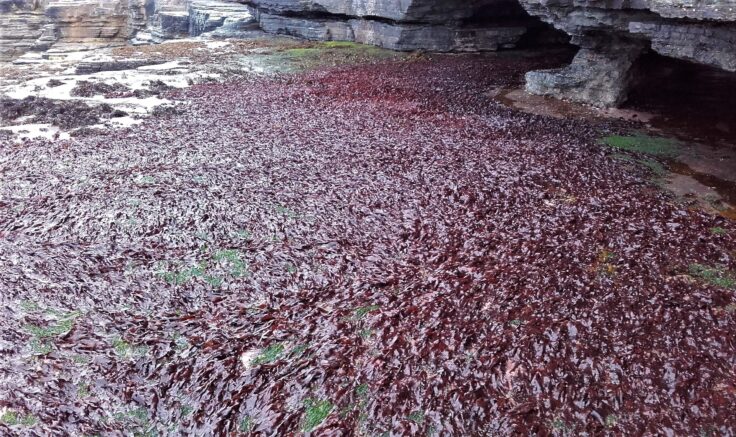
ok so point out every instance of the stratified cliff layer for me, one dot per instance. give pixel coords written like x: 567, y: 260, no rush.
x: 613, y: 34
x: 399, y: 24
x: 35, y: 25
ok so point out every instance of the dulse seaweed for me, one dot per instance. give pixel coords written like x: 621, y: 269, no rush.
x: 374, y: 249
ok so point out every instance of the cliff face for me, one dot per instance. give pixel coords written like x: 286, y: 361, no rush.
x: 613, y: 34
x: 35, y: 25
x: 451, y: 25
x: 439, y: 25
x: 27, y: 25
x: 180, y: 18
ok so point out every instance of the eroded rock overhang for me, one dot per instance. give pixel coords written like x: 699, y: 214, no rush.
x: 436, y: 25
x: 612, y: 35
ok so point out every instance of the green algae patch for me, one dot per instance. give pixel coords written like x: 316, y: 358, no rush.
x: 214, y: 270
x: 316, y: 412
x: 417, y: 417
x: 337, y: 46
x: 300, y: 52
x: 246, y: 424
x: 13, y: 418
x: 331, y: 53
x: 269, y: 355
x: 344, y: 45
x: 126, y: 350
x: 717, y: 276
x: 43, y: 336
x: 364, y: 310
x: 656, y: 146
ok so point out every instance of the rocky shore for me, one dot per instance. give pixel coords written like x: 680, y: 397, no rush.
x: 612, y: 37
x: 233, y: 218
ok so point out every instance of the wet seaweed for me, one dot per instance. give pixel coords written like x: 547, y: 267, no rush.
x: 66, y: 114
x: 459, y: 268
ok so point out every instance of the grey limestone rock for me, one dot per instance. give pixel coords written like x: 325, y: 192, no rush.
x: 612, y: 34
x: 449, y: 25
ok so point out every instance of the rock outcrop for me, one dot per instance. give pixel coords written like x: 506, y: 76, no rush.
x: 35, y: 25
x: 176, y: 19
x: 613, y: 34
x: 454, y: 25
x: 437, y: 25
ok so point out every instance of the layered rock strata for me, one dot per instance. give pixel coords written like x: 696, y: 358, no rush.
x: 399, y: 24
x: 195, y: 17
x: 613, y: 34
x: 437, y: 25
x: 35, y: 25
x: 396, y: 36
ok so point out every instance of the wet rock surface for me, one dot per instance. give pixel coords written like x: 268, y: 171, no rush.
x: 380, y: 248
x: 143, y: 88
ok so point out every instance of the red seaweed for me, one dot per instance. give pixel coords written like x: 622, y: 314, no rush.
x: 368, y: 249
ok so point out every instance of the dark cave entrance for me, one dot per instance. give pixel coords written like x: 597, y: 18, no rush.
x: 500, y: 13
x: 689, y: 97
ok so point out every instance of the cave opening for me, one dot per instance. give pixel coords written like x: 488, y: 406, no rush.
x: 510, y: 13
x: 688, y: 97
x: 502, y: 12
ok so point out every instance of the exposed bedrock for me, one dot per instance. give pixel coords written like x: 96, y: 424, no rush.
x: 427, y: 11
x: 599, y: 74
x: 176, y: 19
x: 35, y: 25
x: 396, y: 36
x: 438, y: 25
x: 613, y: 34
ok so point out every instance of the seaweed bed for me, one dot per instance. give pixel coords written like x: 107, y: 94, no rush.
x: 90, y: 89
x: 66, y: 114
x: 378, y: 250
